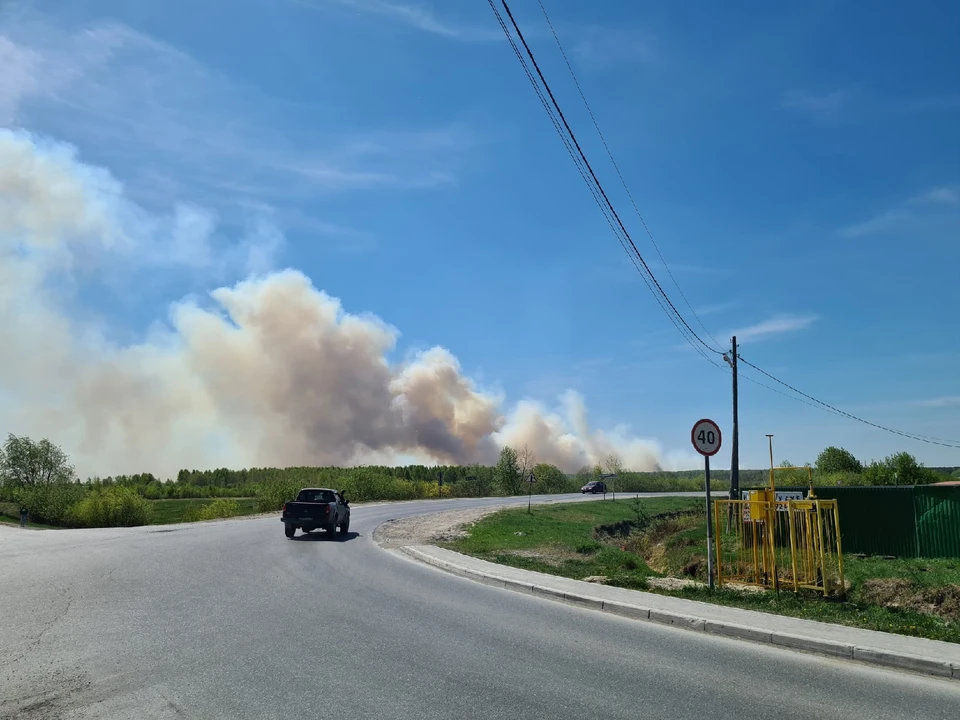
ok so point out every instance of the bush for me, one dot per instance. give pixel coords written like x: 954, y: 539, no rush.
x: 219, y: 508
x: 115, y: 506
x: 50, y: 504
x: 272, y: 495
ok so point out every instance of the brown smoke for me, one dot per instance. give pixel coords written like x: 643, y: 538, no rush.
x: 274, y: 373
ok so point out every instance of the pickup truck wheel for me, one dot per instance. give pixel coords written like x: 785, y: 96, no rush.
x: 345, y: 527
x: 289, y: 530
x: 332, y: 529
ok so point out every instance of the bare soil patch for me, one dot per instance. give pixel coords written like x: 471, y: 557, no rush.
x: 429, y: 529
x: 942, y: 601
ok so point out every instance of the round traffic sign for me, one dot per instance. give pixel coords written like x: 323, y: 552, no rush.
x: 706, y: 437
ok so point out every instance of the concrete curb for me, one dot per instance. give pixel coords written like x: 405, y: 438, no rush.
x: 819, y: 646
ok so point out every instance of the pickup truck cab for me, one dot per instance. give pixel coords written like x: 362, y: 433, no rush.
x: 315, y: 508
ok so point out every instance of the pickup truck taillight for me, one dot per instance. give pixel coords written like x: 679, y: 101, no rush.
x: 284, y: 508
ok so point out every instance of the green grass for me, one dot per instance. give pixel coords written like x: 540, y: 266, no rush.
x: 564, y: 540
x: 559, y: 539
x: 166, y: 512
x: 929, y: 573
x: 812, y: 607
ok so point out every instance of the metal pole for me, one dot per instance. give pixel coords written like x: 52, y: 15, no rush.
x: 770, y: 440
x: 529, y: 495
x: 706, y: 472
x: 735, y: 451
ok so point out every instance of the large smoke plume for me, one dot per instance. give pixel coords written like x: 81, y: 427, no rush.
x: 269, y: 371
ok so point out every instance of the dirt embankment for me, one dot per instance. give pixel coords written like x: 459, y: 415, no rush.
x: 942, y: 601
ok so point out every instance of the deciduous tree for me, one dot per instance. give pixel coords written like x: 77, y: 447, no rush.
x: 836, y: 459
x: 507, y: 473
x: 25, y: 463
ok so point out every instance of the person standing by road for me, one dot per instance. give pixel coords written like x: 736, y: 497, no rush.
x: 23, y: 516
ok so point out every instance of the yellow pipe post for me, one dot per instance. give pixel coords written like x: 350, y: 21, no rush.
x: 793, y: 545
x: 819, y: 538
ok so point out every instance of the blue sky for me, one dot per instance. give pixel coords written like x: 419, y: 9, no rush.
x: 798, y: 164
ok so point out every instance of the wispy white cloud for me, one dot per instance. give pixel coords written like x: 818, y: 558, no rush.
x: 773, y: 326
x: 884, y: 222
x: 716, y: 308
x: 56, y: 194
x: 940, y: 402
x: 416, y: 16
x: 602, y: 47
x: 823, y: 108
x: 944, y: 195
x: 168, y: 121
x: 921, y: 213
x: 595, y: 47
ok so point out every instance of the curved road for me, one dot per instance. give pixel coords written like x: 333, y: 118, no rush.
x: 231, y: 620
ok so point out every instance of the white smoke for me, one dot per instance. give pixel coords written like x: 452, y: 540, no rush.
x: 272, y: 372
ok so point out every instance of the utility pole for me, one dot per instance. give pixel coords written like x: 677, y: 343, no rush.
x: 735, y: 449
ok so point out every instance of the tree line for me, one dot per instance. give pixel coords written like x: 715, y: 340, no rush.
x: 38, y: 476
x: 838, y: 466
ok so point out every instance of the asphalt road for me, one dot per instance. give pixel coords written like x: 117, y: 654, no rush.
x: 232, y: 620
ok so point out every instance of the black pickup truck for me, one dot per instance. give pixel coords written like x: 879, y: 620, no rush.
x: 316, y: 508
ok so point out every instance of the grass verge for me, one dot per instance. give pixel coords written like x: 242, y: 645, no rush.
x: 626, y: 542
x: 166, y: 512
x: 10, y: 515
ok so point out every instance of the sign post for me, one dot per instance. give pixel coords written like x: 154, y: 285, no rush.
x: 706, y: 441
x: 530, y: 481
x: 613, y: 489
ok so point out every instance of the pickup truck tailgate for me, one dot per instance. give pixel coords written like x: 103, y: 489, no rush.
x: 306, y: 511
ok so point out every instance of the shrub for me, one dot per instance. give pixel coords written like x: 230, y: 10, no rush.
x: 114, y: 506
x: 50, y: 504
x: 588, y: 548
x: 272, y: 495
x: 219, y: 508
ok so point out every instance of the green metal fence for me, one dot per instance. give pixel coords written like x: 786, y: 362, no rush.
x: 875, y: 520
x: 937, y: 511
x: 905, y: 521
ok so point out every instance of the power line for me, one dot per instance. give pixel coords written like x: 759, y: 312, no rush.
x: 593, y: 176
x: 581, y: 170
x: 617, y: 226
x: 616, y: 167
x: 580, y: 161
x: 822, y: 405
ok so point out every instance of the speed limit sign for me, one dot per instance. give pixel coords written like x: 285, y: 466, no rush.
x: 706, y: 437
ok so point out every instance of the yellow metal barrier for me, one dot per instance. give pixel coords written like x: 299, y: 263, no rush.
x: 779, y: 543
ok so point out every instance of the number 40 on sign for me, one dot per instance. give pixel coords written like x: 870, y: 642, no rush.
x: 706, y: 437
x: 706, y: 441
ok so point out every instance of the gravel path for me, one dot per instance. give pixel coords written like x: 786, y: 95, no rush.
x: 429, y: 529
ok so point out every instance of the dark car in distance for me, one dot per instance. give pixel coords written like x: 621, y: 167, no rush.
x: 594, y: 487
